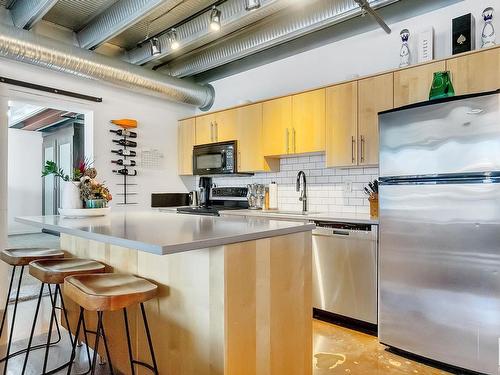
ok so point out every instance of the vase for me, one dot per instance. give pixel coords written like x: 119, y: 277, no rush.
x: 70, y: 195
x: 441, y: 86
x: 95, y: 203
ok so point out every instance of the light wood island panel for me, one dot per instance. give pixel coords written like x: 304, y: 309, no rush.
x: 238, y: 309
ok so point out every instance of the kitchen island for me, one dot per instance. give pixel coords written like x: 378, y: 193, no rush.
x: 234, y: 293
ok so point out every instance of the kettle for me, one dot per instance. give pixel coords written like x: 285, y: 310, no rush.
x: 194, y: 198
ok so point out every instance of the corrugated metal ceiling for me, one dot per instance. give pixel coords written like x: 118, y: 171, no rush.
x: 74, y: 14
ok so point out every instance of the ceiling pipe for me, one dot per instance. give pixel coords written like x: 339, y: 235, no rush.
x: 23, y: 46
x: 196, y: 32
x: 114, y: 20
x: 25, y: 13
x: 272, y: 31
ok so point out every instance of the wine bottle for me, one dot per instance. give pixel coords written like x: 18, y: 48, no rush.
x: 126, y: 172
x: 125, y: 152
x: 126, y: 163
x: 124, y: 133
x: 125, y: 142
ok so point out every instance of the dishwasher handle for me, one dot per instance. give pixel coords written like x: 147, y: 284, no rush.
x: 347, y: 231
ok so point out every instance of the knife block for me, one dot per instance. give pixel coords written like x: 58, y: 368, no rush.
x: 373, y: 206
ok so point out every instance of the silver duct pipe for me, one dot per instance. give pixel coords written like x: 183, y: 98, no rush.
x: 272, y: 31
x: 23, y: 46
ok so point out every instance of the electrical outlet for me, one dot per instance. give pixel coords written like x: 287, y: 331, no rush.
x: 348, y: 186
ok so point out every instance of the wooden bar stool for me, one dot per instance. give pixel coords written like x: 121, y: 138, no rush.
x: 53, y: 272
x: 111, y: 292
x: 21, y: 257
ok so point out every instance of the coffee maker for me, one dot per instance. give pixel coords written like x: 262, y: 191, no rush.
x: 204, y: 187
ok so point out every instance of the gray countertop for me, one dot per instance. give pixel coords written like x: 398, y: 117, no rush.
x: 343, y: 217
x: 166, y: 232
x: 334, y: 217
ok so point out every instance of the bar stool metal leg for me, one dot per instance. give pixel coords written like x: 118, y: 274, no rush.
x: 52, y: 317
x: 7, y: 300
x: 105, y: 340
x: 11, y: 333
x: 154, y: 367
x: 96, y: 344
x: 150, y: 342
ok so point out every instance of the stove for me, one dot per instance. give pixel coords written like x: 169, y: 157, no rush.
x: 221, y: 198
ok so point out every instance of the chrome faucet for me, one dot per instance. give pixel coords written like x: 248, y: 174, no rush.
x: 303, y: 192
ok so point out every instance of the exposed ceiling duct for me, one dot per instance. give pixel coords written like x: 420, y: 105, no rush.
x: 21, y: 45
x: 25, y: 13
x: 195, y: 33
x: 114, y: 20
x: 274, y: 30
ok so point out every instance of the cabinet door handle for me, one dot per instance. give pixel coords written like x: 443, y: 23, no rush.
x: 353, y: 148
x: 216, y: 131
x: 239, y: 161
x: 293, y: 139
x: 211, y: 131
x: 287, y: 135
x: 362, y: 147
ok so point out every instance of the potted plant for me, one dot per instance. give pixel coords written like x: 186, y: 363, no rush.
x: 70, y: 187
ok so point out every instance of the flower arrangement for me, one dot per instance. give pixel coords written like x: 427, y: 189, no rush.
x: 92, y: 192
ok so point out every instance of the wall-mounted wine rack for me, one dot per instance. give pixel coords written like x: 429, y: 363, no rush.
x: 125, y: 162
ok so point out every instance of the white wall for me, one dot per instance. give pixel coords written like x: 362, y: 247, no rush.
x: 24, y: 182
x: 360, y: 55
x: 157, y: 124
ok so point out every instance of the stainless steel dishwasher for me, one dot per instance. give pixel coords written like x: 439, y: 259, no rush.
x: 345, y: 270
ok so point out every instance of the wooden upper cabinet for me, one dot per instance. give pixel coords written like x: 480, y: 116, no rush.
x: 308, y: 117
x: 250, y: 139
x: 476, y: 72
x: 413, y: 85
x: 225, y: 125
x: 186, y: 141
x: 277, y: 124
x: 205, y: 129
x: 341, y: 125
x: 375, y: 94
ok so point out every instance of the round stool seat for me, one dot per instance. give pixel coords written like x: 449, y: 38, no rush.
x: 53, y: 271
x: 23, y: 256
x: 108, y: 292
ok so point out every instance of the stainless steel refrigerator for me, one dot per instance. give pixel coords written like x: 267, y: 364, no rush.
x: 439, y: 259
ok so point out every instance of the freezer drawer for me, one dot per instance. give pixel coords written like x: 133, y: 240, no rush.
x: 439, y: 265
x: 345, y: 272
x: 457, y: 137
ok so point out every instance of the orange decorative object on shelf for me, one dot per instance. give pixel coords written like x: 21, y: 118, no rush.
x: 125, y: 123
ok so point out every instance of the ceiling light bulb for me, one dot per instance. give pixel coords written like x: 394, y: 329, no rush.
x: 155, y: 46
x: 174, y: 43
x: 215, y: 19
x: 252, y: 4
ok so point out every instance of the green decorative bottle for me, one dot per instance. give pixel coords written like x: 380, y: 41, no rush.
x: 441, y: 86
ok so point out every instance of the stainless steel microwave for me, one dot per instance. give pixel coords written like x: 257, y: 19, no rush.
x: 215, y: 158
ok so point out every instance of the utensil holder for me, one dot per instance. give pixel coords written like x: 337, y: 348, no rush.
x: 373, y: 206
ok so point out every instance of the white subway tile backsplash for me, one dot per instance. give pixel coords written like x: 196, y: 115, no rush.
x: 326, y: 187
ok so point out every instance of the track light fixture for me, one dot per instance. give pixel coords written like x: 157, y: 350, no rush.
x: 252, y: 4
x: 154, y: 45
x: 172, y: 39
x: 215, y: 19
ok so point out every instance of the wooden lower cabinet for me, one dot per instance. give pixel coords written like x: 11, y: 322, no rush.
x: 186, y: 140
x: 375, y: 94
x: 238, y: 309
x: 341, y: 125
x: 476, y: 72
x: 413, y: 85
